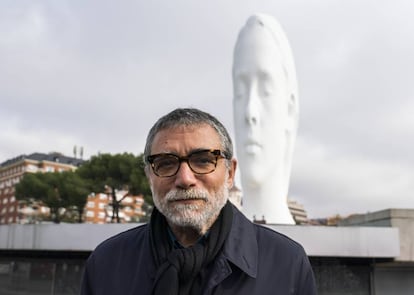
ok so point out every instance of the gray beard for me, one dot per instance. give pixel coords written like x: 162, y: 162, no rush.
x: 192, y: 215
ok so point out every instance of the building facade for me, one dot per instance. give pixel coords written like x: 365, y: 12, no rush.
x: 12, y: 171
x: 236, y: 196
x: 98, y: 208
x: 298, y: 212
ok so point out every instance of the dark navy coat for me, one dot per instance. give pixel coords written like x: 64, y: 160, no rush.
x: 254, y: 260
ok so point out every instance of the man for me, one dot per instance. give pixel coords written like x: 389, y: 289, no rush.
x: 196, y: 241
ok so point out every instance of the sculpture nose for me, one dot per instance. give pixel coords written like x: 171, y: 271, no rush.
x: 252, y: 107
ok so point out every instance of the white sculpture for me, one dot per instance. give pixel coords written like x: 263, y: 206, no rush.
x: 265, y: 110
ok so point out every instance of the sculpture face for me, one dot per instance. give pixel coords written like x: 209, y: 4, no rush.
x: 261, y: 105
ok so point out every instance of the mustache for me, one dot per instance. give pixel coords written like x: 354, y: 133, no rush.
x: 190, y: 194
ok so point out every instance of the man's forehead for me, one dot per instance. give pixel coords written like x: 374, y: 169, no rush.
x: 193, y: 130
x: 186, y: 138
x: 187, y: 128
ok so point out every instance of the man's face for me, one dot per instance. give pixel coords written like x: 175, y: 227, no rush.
x: 188, y: 199
x: 260, y: 104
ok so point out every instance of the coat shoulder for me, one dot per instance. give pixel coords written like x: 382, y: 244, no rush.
x: 128, y: 239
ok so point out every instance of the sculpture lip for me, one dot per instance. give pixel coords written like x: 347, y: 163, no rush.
x: 253, y: 147
x: 253, y: 142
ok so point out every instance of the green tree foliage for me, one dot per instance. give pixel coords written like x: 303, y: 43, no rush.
x: 75, y: 190
x: 110, y: 173
x: 139, y: 182
x: 60, y: 191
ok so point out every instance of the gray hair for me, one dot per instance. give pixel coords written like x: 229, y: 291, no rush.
x: 189, y: 117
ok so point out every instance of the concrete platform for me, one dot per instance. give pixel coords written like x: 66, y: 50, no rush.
x: 322, y: 241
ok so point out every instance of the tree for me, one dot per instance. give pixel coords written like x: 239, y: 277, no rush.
x: 41, y: 187
x: 57, y: 190
x: 112, y: 173
x: 75, y: 190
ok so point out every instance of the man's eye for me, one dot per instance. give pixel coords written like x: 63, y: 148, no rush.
x: 165, y: 163
x: 203, y: 160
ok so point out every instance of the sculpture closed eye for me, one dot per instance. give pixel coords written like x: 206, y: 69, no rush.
x: 266, y: 85
x: 261, y: 85
x: 240, y: 86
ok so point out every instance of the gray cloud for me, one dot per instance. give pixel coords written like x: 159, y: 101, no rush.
x: 98, y: 75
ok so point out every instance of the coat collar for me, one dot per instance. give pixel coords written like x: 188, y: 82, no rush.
x: 241, y: 247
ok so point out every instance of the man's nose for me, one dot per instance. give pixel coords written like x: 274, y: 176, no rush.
x: 185, y: 177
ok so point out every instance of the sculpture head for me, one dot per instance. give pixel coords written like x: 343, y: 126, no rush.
x: 265, y: 102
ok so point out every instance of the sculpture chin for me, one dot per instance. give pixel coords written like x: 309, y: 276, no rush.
x: 251, y: 177
x: 253, y: 183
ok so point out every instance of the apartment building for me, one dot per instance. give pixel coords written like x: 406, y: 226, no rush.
x: 236, y: 196
x: 298, y: 212
x: 12, y: 171
x: 98, y: 208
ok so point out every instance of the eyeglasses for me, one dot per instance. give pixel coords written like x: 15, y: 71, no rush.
x: 200, y: 162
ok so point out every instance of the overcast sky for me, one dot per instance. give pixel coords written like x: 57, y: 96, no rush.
x: 98, y: 74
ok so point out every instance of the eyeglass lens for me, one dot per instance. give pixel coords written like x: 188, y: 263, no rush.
x: 202, y: 162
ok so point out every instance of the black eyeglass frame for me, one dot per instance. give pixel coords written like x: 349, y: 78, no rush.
x: 218, y: 153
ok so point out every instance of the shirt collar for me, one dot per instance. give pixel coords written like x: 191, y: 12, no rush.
x: 177, y: 245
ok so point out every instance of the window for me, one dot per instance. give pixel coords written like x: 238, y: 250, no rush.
x: 32, y: 168
x: 101, y: 205
x: 91, y: 204
x: 90, y: 214
x: 45, y: 210
x: 128, y: 200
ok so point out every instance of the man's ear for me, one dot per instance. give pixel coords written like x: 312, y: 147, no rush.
x: 232, y: 173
